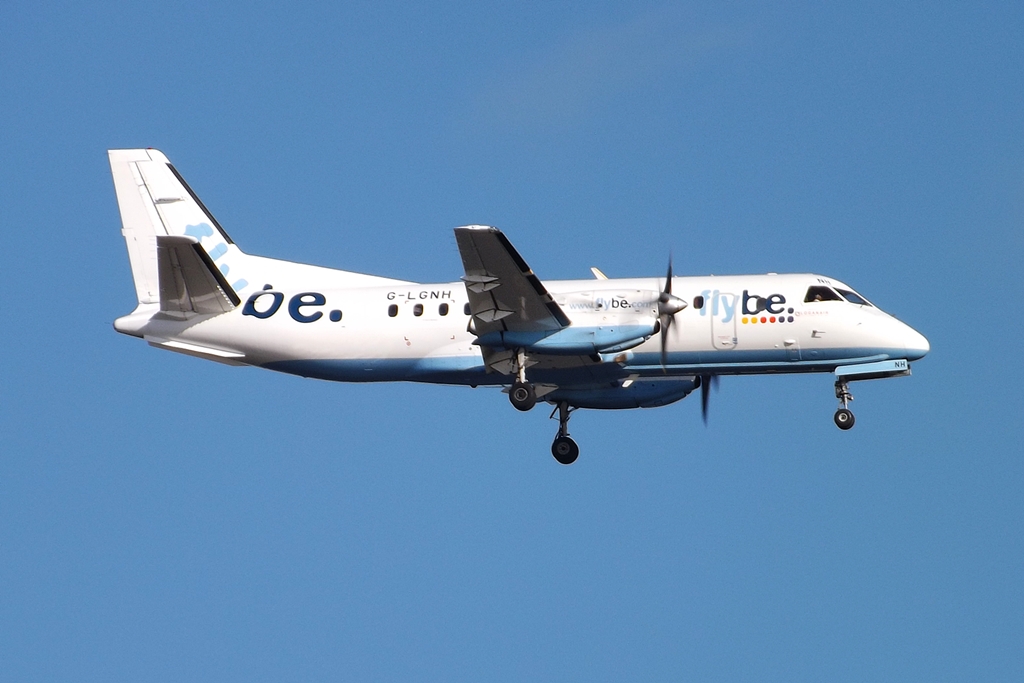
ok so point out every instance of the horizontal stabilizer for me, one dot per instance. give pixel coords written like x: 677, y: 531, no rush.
x: 198, y: 351
x: 190, y: 283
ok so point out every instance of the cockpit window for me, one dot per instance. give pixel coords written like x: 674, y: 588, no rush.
x: 853, y: 297
x: 819, y: 293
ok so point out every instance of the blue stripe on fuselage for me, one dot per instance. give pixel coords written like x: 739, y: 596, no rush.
x: 470, y: 369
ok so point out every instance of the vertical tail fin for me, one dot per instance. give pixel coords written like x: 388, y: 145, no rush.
x: 155, y: 201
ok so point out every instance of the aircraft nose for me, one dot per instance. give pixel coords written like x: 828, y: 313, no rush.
x: 915, y: 343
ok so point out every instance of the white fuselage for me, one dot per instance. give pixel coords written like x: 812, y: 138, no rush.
x: 418, y: 332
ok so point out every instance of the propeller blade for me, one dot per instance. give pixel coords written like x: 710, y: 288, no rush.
x: 667, y: 303
x: 666, y: 322
x: 705, y: 396
x: 706, y: 384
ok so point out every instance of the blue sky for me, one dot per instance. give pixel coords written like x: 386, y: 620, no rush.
x: 164, y: 518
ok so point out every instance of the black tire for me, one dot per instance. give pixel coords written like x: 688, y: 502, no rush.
x: 844, y: 419
x: 522, y: 396
x: 565, y: 450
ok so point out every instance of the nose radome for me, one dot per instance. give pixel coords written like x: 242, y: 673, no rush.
x: 915, y: 343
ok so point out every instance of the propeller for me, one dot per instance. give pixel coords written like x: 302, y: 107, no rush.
x: 668, y: 306
x: 707, y: 382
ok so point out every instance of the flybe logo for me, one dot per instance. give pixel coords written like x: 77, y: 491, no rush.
x: 301, y: 307
x: 753, y: 307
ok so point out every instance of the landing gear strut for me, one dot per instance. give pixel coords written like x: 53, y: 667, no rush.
x: 844, y: 416
x: 564, y: 448
x: 523, y: 395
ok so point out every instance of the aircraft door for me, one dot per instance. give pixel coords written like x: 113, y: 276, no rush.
x: 723, y: 320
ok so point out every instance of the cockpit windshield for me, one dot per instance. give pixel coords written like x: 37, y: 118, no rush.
x: 819, y: 293
x: 822, y: 293
x: 853, y: 297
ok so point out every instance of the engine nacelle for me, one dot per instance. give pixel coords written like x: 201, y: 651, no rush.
x: 602, y: 322
x: 573, y: 340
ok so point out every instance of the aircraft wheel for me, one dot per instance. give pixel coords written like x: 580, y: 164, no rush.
x: 565, y: 450
x: 522, y: 396
x: 844, y: 419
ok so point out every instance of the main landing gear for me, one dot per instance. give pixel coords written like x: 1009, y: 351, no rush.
x: 844, y: 416
x: 564, y: 448
x: 523, y: 395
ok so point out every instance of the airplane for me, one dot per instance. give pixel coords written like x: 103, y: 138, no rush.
x: 598, y: 343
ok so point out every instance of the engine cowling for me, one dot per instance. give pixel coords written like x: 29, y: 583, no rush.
x: 602, y: 322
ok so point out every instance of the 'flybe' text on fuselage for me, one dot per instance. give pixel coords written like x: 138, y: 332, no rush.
x: 724, y: 304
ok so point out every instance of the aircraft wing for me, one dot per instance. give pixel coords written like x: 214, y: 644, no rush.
x: 504, y: 294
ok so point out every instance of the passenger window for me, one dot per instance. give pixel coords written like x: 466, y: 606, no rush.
x: 465, y: 310
x: 853, y: 297
x: 819, y: 293
x: 392, y: 310
x: 417, y: 310
x: 698, y: 302
x: 443, y: 309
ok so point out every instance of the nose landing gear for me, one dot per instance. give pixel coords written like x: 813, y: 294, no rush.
x: 564, y: 448
x: 844, y: 416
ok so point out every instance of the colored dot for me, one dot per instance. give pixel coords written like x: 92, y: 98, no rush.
x: 753, y: 320
x: 744, y: 321
x: 763, y: 320
x: 790, y: 318
x: 772, y: 319
x: 790, y: 311
x: 335, y: 316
